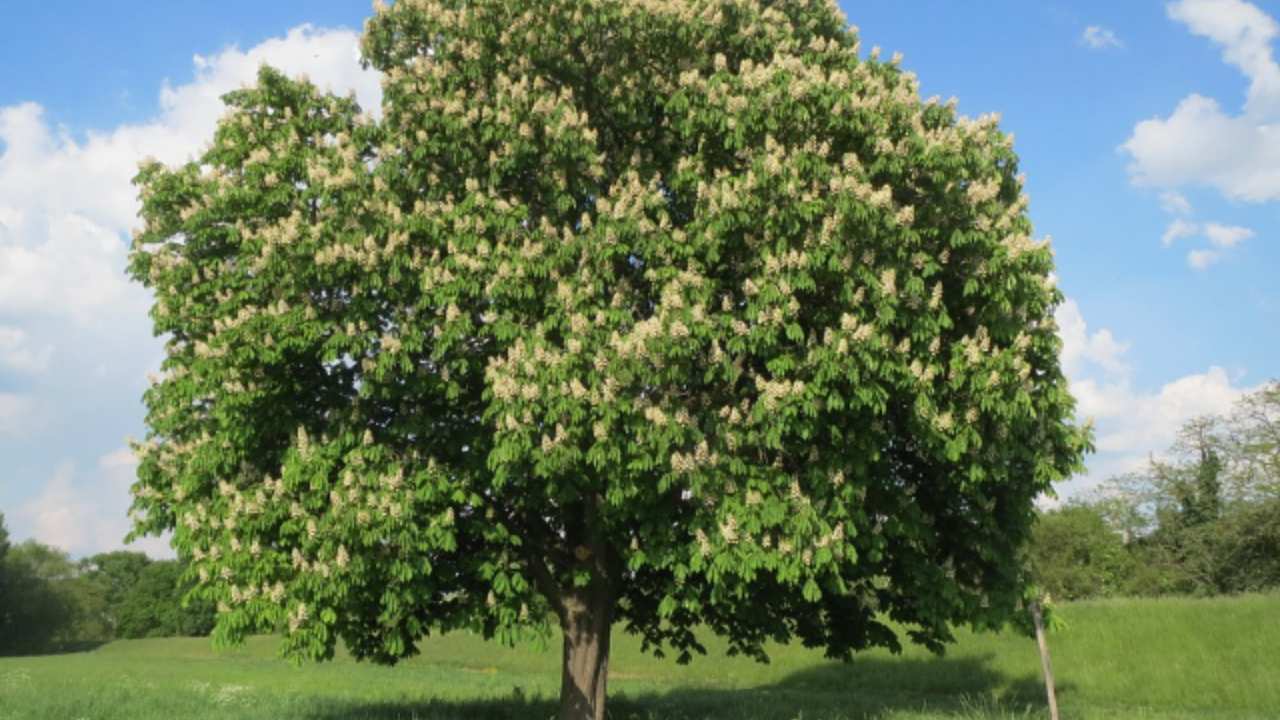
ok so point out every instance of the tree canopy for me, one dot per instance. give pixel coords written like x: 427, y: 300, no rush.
x: 48, y: 602
x: 4, y: 572
x: 683, y: 314
x: 1074, y: 554
x: 34, y: 613
x: 4, y: 538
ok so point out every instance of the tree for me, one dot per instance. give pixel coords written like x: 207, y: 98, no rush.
x: 1253, y: 431
x: 1124, y: 502
x: 108, y: 578
x: 38, y: 612
x: 153, y: 606
x: 677, y: 315
x: 1250, y: 548
x: 1075, y: 554
x: 1195, y: 486
x: 4, y: 593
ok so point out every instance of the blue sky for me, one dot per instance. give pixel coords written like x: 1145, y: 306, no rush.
x: 1142, y: 127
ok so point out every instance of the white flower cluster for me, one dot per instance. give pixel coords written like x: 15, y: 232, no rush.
x: 701, y: 457
x: 297, y: 617
x: 729, y: 529
x: 774, y: 392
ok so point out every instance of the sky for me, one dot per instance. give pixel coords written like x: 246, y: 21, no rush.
x: 1149, y: 133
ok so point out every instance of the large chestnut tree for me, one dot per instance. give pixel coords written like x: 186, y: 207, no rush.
x: 676, y: 316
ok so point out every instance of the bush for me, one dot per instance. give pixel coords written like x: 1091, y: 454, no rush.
x: 151, y: 607
x: 1075, y: 554
x: 1249, y: 541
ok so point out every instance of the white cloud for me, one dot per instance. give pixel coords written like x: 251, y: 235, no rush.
x: 1175, y: 203
x: 1245, y: 33
x: 1219, y: 236
x: 1225, y: 236
x: 1080, y: 349
x: 1130, y: 423
x: 17, y: 354
x: 10, y: 219
x: 1177, y: 230
x: 1099, y: 38
x: 88, y: 515
x: 67, y: 205
x: 1138, y: 422
x: 68, y: 267
x: 1202, y: 259
x: 1199, y: 143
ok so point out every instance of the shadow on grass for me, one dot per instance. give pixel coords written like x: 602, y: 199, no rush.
x: 868, y: 689
x: 67, y: 648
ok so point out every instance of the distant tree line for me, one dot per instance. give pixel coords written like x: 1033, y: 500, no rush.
x: 49, y: 602
x: 1204, y: 520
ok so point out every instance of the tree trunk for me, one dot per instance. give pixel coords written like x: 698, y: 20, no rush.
x: 585, y: 619
x: 1049, y: 688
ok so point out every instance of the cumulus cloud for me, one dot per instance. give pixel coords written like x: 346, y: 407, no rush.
x: 17, y: 353
x: 1100, y: 38
x: 1245, y: 32
x: 1202, y: 259
x: 1082, y: 349
x: 1175, y: 203
x: 88, y: 515
x: 66, y: 266
x: 67, y: 205
x: 1219, y: 236
x: 1130, y: 423
x: 1225, y: 236
x: 1177, y: 230
x: 1199, y: 143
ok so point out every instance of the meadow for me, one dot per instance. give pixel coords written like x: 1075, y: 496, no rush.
x: 1166, y: 658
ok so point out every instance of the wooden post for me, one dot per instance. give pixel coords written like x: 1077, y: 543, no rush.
x: 1044, y: 660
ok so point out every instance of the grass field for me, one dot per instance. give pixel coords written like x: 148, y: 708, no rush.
x: 1180, y: 658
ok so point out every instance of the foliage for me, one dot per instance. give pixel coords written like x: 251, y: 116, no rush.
x: 37, y: 613
x: 101, y: 582
x: 51, y: 602
x: 4, y: 573
x: 1252, y: 431
x: 4, y: 550
x: 680, y: 313
x: 151, y: 606
x: 1075, y: 554
x: 125, y: 594
x: 116, y: 572
x: 1250, y: 548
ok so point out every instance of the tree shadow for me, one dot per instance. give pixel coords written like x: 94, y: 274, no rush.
x: 866, y: 689
x: 65, y: 648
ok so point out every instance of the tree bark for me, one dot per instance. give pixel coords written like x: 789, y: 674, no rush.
x: 586, y: 618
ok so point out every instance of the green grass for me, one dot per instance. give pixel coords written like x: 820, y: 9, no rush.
x: 1175, y: 659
